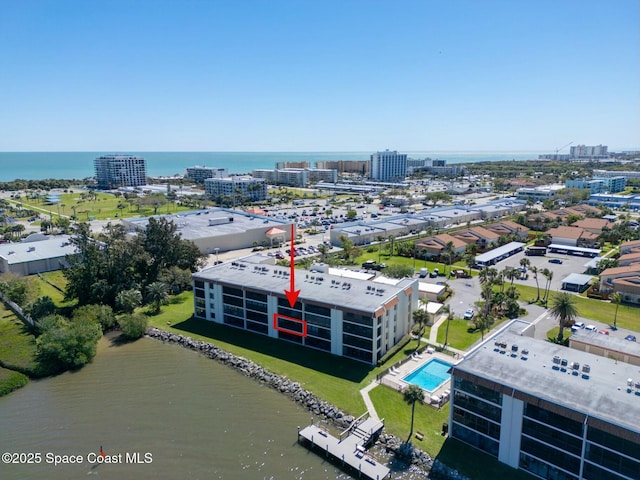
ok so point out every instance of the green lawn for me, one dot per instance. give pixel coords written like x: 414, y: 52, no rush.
x: 598, y: 310
x: 11, y: 380
x: 397, y: 418
x: 459, y: 335
x: 104, y: 207
x: 17, y: 344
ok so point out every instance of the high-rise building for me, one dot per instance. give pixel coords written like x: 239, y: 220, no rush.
x: 585, y: 151
x: 200, y: 174
x: 113, y: 171
x: 388, y: 166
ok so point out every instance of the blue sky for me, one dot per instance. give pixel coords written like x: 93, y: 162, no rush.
x: 345, y: 75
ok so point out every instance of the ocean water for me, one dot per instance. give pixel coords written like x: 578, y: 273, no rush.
x: 41, y: 165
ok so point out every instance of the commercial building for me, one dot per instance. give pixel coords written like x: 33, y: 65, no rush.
x: 615, y: 200
x: 353, y: 318
x: 200, y: 174
x: 113, y: 171
x: 388, y: 166
x: 593, y: 185
x: 220, y: 229
x: 547, y: 192
x: 236, y: 187
x: 498, y: 254
x: 557, y: 413
x: 36, y: 254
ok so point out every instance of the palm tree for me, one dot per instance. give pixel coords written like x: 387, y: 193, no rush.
x: 411, y: 395
x: 534, y: 272
x: 421, y: 319
x: 449, y: 254
x: 617, y: 299
x: 380, y: 240
x: 157, y: 292
x: 564, y: 310
x: 447, y: 310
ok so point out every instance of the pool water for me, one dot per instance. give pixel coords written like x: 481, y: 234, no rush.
x: 430, y: 375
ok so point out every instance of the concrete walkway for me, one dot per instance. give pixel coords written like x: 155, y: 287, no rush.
x: 367, y: 401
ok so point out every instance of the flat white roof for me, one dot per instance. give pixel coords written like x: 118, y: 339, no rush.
x: 431, y: 288
x: 31, y: 251
x: 577, y: 279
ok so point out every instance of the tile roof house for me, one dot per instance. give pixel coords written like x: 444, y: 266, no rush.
x: 482, y: 237
x: 508, y: 227
x: 629, y: 259
x: 622, y: 280
x: 593, y: 225
x: 630, y: 247
x: 573, y: 236
x: 434, y: 246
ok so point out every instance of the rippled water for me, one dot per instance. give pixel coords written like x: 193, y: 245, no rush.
x: 196, y: 418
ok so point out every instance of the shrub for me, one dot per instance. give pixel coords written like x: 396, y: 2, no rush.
x: 133, y: 325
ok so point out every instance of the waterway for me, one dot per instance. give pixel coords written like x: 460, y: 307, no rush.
x: 184, y: 414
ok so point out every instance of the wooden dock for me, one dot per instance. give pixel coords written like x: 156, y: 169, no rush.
x: 350, y: 448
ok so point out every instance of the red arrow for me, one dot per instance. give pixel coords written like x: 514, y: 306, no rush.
x: 292, y: 295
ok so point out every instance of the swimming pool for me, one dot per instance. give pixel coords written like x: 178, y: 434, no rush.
x: 430, y: 375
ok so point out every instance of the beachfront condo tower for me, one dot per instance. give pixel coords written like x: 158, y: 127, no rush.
x: 388, y: 166
x: 114, y: 171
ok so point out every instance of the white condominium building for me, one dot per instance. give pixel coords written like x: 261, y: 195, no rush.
x: 113, y: 171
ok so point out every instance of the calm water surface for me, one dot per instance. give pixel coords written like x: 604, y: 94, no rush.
x: 196, y: 418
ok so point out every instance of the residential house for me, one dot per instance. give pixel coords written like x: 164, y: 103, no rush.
x: 507, y: 228
x: 623, y: 280
x: 593, y: 225
x: 479, y: 236
x: 573, y: 236
x: 432, y: 247
x: 629, y: 259
x: 632, y: 246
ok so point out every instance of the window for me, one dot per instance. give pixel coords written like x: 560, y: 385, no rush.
x: 477, y: 390
x: 552, y: 436
x: 550, y: 454
x: 550, y: 418
x: 485, y: 409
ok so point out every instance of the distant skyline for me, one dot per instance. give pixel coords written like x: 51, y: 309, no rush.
x: 319, y: 76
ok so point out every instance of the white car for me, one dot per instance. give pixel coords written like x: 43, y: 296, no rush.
x: 469, y: 313
x: 579, y: 324
x: 590, y: 328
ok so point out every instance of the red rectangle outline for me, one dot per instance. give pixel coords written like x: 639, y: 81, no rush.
x: 286, y: 330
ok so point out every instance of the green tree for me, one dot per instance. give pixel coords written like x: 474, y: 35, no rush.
x: 133, y: 325
x: 411, y: 395
x: 101, y: 315
x: 534, y: 272
x: 40, y: 307
x: 128, y: 300
x: 398, y: 271
x: 617, y: 299
x: 177, y: 279
x: 564, y: 310
x: 421, y: 319
x: 157, y: 293
x: 67, y: 346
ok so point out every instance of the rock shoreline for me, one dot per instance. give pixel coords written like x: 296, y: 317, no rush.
x: 330, y: 413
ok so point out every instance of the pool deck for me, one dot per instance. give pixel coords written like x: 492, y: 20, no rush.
x: 439, y: 396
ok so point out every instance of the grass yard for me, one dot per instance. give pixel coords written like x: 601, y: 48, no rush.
x: 17, y: 344
x: 397, y: 418
x: 459, y: 335
x: 11, y: 380
x: 104, y: 207
x: 598, y: 310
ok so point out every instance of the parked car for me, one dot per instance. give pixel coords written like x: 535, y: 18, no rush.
x: 631, y: 338
x: 590, y: 328
x: 579, y: 324
x: 469, y: 313
x: 555, y: 260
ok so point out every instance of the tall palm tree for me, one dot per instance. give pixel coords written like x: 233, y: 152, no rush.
x: 447, y: 310
x: 449, y: 254
x: 411, y: 395
x: 549, y: 278
x: 421, y: 319
x: 534, y: 272
x: 157, y: 292
x: 617, y: 299
x: 564, y: 310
